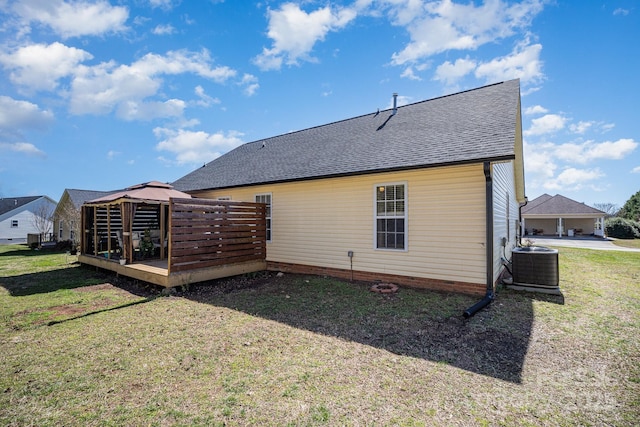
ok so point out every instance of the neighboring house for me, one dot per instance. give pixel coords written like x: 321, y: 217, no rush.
x: 21, y: 216
x: 67, y: 213
x: 423, y: 195
x: 561, y: 216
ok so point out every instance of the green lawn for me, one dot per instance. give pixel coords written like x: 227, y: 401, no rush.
x: 81, y: 347
x: 628, y: 243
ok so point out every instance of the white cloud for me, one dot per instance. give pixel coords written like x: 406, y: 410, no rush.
x: 250, y: 83
x: 205, y: 100
x: 76, y: 18
x: 196, y: 147
x: 16, y: 115
x: 536, y: 109
x: 544, y: 159
x: 450, y: 73
x: 294, y: 32
x: 539, y: 159
x: 523, y: 63
x: 163, y: 30
x: 23, y: 147
x: 572, y: 179
x: 145, y: 111
x: 620, y: 11
x: 548, y: 123
x: 610, y: 150
x: 636, y: 169
x: 165, y: 4
x: 102, y: 88
x: 409, y: 74
x: 580, y: 127
x: 40, y: 66
x: 183, y: 61
x: 607, y: 127
x: 439, y: 26
x: 19, y: 116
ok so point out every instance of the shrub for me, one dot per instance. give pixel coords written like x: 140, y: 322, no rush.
x: 621, y: 228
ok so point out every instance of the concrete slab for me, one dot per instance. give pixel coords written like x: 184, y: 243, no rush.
x: 597, y: 243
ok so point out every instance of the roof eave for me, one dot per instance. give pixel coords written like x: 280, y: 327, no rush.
x: 359, y: 173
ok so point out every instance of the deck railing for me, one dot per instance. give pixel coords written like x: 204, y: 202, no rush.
x: 208, y: 233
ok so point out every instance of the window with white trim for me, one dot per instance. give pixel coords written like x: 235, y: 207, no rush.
x: 266, y: 199
x: 391, y: 216
x: 60, y: 230
x: 14, y: 223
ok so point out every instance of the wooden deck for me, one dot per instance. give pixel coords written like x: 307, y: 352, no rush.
x: 207, y: 239
x: 156, y: 271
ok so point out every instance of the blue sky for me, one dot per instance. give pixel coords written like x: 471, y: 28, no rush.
x: 103, y: 94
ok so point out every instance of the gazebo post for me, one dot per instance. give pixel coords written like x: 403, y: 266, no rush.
x: 162, y: 230
x: 95, y: 231
x: 83, y: 232
x: 125, y: 211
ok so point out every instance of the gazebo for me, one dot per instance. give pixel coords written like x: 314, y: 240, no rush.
x: 114, y: 225
x: 155, y: 233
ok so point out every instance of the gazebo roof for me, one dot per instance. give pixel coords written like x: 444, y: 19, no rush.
x: 147, y: 192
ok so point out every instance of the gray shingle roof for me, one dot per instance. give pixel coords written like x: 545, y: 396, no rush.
x: 467, y: 127
x: 78, y: 197
x: 558, y: 205
x: 7, y: 204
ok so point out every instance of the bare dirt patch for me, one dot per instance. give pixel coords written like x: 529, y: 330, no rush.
x: 101, y: 287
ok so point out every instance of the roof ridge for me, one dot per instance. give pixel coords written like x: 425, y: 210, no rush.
x: 378, y: 112
x: 470, y: 126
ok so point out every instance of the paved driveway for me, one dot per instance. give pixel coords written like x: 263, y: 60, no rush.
x: 578, y: 242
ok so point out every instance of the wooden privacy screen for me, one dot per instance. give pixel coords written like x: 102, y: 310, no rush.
x: 209, y: 233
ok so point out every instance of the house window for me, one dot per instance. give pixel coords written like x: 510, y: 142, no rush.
x: 60, y: 230
x: 14, y: 223
x: 266, y: 199
x: 391, y: 216
x: 224, y: 198
x: 72, y: 227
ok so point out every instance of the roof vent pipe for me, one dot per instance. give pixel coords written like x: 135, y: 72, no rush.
x: 395, y: 104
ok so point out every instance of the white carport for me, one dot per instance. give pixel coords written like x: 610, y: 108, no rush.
x: 560, y: 216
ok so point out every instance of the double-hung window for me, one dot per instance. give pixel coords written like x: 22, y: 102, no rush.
x: 266, y: 199
x: 391, y: 216
x: 14, y: 223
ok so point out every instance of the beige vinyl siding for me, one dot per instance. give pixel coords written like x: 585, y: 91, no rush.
x: 317, y: 222
x: 503, y: 185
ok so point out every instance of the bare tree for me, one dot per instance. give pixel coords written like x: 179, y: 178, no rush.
x: 611, y: 209
x: 42, y: 220
x: 71, y: 216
